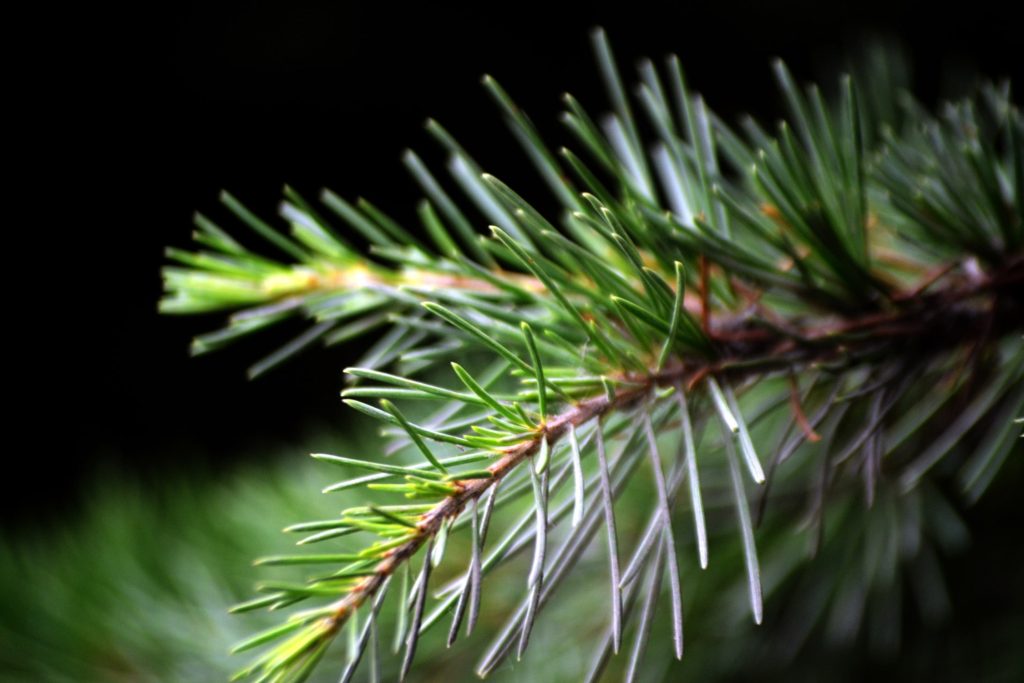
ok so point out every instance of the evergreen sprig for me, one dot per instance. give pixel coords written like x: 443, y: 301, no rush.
x: 802, y: 313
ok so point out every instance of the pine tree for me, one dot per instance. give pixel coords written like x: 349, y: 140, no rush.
x: 813, y: 328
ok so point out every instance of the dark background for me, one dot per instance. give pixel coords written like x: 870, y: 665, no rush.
x: 129, y: 119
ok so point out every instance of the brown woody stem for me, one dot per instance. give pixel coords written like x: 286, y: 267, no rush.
x: 945, y: 318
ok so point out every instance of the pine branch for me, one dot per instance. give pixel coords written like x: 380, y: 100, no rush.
x: 686, y: 277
